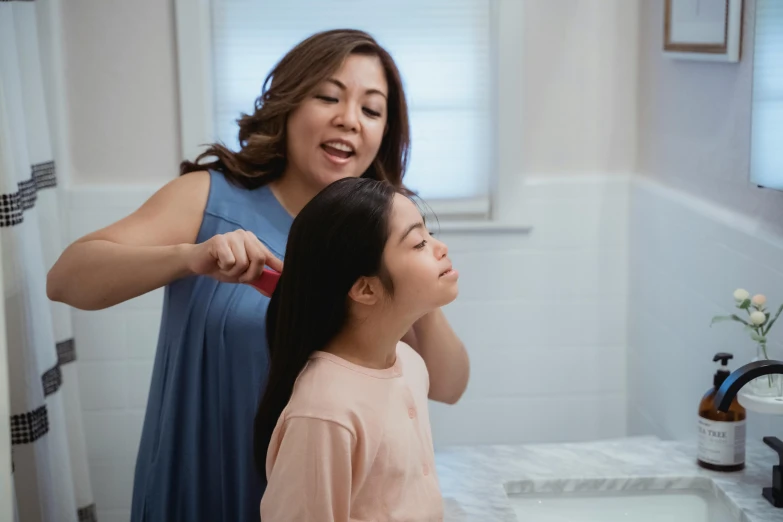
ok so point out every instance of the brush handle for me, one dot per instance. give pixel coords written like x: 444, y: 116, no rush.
x: 267, y: 281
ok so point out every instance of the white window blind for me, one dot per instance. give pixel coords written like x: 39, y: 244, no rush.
x: 767, y: 113
x: 442, y: 48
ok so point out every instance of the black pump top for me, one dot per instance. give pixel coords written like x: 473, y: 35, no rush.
x: 722, y: 372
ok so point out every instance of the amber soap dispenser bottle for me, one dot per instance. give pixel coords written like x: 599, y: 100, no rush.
x: 721, y: 435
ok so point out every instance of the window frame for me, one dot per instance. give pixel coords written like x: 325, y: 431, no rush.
x: 194, y: 63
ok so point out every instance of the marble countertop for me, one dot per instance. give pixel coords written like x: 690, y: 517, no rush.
x: 475, y: 479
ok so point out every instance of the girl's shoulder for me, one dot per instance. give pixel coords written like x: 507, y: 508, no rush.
x: 414, y: 369
x: 333, y: 389
x: 410, y: 356
x: 322, y: 392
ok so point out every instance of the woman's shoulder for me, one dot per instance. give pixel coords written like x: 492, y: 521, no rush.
x: 222, y: 191
x: 231, y: 201
x: 190, y: 188
x: 230, y: 205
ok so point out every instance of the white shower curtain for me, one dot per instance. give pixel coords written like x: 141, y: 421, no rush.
x: 50, y: 473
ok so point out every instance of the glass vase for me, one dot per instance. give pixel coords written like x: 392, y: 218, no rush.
x: 766, y: 385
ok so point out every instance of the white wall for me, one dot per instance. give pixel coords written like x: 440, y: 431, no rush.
x: 544, y: 320
x: 687, y: 255
x: 698, y: 230
x: 694, y: 123
x: 579, y: 94
x: 121, y: 90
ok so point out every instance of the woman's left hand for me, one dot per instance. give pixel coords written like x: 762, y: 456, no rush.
x: 444, y: 354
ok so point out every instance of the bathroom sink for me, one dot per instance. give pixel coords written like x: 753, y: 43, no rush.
x: 688, y: 505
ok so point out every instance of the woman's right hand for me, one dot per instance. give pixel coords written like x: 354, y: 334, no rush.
x: 233, y: 257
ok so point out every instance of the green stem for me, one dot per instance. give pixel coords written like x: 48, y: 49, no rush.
x: 764, y: 351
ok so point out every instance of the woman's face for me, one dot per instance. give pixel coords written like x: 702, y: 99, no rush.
x: 337, y: 131
x: 418, y: 264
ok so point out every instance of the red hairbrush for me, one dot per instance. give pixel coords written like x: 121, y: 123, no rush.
x: 267, y: 281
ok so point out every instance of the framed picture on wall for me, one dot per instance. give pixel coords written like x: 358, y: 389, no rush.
x: 709, y: 30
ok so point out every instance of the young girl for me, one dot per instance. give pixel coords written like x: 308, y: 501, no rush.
x: 342, y: 431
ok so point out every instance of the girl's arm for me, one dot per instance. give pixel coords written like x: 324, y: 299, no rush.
x: 309, y: 472
x: 444, y: 354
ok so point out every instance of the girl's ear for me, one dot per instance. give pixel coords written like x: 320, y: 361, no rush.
x: 366, y: 291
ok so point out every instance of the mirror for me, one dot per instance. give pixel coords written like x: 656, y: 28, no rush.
x: 766, y: 156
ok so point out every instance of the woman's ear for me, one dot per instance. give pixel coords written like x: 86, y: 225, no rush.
x: 366, y: 291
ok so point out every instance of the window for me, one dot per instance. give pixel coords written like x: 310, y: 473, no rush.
x: 466, y: 153
x: 766, y: 155
x: 443, y: 49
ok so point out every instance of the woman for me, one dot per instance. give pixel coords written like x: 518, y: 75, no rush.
x: 342, y: 430
x: 332, y: 108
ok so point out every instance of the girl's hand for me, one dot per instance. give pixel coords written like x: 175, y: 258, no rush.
x: 234, y: 257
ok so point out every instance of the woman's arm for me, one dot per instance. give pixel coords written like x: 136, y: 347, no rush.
x: 153, y: 247
x: 309, y: 472
x: 139, y: 253
x: 97, y: 274
x: 444, y: 354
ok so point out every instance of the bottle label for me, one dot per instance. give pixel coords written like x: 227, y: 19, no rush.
x: 721, y: 443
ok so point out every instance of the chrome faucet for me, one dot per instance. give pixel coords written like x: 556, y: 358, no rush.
x: 723, y: 399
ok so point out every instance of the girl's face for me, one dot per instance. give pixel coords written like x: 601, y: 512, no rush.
x: 418, y: 264
x: 337, y: 131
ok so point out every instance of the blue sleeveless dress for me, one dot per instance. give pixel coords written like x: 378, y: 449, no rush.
x: 195, y: 460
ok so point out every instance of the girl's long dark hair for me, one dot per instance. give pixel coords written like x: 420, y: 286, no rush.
x: 337, y: 238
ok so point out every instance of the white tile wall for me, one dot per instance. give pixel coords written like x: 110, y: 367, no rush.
x: 544, y: 319
x: 543, y: 316
x: 686, y: 259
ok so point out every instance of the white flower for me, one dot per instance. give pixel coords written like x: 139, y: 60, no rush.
x: 758, y: 318
x: 741, y: 294
x: 759, y: 300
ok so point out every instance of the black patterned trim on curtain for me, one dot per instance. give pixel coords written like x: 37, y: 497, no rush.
x: 53, y: 379
x: 88, y: 514
x: 17, y: 0
x: 66, y: 351
x: 13, y: 205
x: 29, y: 427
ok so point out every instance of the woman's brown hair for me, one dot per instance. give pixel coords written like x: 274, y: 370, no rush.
x: 261, y: 157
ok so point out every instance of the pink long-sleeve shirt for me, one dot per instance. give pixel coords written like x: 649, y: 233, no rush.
x: 354, y: 445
